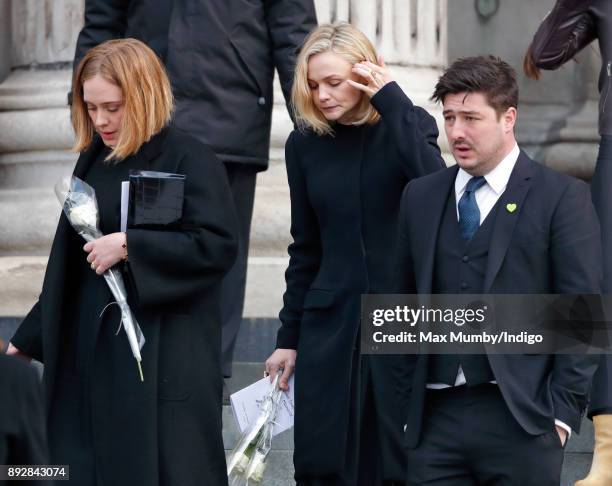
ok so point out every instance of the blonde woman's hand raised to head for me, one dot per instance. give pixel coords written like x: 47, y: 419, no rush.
x: 375, y: 76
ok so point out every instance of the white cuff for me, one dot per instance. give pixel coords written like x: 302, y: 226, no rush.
x: 565, y: 427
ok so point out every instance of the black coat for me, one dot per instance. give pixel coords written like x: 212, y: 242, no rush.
x: 169, y: 425
x: 345, y: 193
x: 23, y: 438
x: 220, y: 56
x: 569, y: 27
x: 550, y: 245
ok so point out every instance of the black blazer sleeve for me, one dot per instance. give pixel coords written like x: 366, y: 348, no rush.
x: 289, y: 22
x: 104, y: 20
x: 173, y: 266
x: 566, y: 30
x: 304, y: 252
x: 404, y: 281
x: 575, y: 250
x: 28, y: 337
x: 413, y: 130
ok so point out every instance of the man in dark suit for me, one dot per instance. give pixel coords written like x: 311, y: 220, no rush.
x: 497, y: 222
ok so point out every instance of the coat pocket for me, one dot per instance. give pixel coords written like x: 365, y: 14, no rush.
x: 318, y: 299
x: 175, y: 361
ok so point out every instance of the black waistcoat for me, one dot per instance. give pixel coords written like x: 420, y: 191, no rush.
x: 460, y: 267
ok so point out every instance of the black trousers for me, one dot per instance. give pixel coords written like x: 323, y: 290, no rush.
x: 242, y: 183
x: 363, y: 465
x: 470, y: 438
x: 601, y: 398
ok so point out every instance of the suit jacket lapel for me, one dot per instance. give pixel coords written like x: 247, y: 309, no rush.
x: 505, y: 221
x: 432, y: 213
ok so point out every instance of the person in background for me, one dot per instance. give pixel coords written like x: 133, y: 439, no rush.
x: 107, y: 424
x: 360, y: 140
x: 220, y: 56
x: 567, y: 29
x: 23, y: 435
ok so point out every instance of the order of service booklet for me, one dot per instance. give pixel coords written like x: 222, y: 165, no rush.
x: 246, y: 405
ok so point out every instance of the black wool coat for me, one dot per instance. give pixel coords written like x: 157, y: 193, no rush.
x: 166, y: 430
x: 23, y: 438
x: 220, y: 56
x: 345, y: 196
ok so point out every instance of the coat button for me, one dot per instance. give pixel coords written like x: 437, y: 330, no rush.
x: 464, y: 285
x: 261, y: 101
x: 465, y: 258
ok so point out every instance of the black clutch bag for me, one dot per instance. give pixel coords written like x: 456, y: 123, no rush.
x: 156, y: 199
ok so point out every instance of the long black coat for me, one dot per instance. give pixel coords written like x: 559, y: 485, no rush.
x: 345, y: 194
x: 171, y: 423
x: 23, y: 438
x: 570, y: 27
x: 220, y: 56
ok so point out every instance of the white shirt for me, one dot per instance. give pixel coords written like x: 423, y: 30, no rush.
x: 486, y: 197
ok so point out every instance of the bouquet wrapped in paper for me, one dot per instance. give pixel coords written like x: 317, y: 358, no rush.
x: 79, y: 202
x: 246, y: 463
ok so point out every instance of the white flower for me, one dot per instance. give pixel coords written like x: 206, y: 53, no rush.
x: 258, y: 468
x: 83, y: 215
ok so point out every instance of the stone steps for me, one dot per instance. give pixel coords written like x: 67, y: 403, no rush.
x: 280, y: 470
x: 255, y: 341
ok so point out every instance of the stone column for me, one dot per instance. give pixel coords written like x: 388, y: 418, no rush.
x: 35, y: 132
x: 35, y: 138
x: 5, y: 39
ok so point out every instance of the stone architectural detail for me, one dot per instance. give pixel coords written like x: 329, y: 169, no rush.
x: 557, y: 121
x: 35, y: 132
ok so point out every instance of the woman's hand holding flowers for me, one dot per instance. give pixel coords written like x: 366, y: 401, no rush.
x: 106, y: 251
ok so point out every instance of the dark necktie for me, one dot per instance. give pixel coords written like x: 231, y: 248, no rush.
x: 469, y: 214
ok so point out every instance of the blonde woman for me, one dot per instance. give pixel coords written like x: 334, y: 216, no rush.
x: 360, y: 141
x: 111, y: 428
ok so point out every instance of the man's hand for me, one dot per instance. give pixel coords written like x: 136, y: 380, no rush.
x: 562, y: 434
x: 13, y: 351
x: 281, y: 359
x: 106, y: 251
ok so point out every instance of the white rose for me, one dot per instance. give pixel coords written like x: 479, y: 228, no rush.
x: 84, y: 215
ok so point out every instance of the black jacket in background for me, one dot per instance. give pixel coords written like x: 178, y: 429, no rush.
x: 23, y: 435
x: 220, y: 56
x: 569, y: 27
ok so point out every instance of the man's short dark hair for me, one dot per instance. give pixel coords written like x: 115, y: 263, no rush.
x: 488, y: 75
